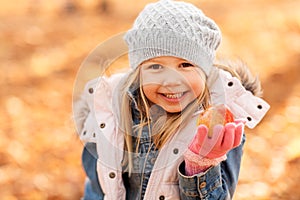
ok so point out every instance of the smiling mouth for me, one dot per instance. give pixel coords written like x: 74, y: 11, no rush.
x: 173, y: 95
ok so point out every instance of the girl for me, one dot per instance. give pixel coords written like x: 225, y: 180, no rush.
x: 141, y: 136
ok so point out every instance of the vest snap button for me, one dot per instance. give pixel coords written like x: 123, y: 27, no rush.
x: 102, y: 125
x: 162, y: 197
x: 91, y: 90
x: 175, y: 151
x: 112, y: 175
x: 259, y: 106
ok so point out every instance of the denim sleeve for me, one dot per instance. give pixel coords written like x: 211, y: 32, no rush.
x: 92, y: 190
x: 218, y: 182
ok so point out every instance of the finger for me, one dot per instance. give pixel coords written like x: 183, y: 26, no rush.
x: 210, y: 143
x: 202, y: 133
x: 241, y: 120
x: 218, y: 134
x: 198, y: 139
x: 229, y: 136
x: 239, y: 130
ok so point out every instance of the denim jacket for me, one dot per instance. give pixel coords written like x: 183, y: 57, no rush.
x: 103, y: 153
x: 218, y: 182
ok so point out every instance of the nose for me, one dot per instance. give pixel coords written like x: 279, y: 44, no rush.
x: 172, y: 78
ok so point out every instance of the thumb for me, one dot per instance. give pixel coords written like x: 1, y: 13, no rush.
x: 202, y: 133
x: 198, y: 139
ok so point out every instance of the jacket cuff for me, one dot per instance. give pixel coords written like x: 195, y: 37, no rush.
x: 200, y: 184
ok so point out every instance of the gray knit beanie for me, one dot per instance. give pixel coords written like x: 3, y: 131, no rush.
x: 173, y: 28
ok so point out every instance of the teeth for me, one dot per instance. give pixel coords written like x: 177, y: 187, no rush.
x: 174, y: 96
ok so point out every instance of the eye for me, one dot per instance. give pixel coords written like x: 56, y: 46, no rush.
x: 155, y: 66
x: 184, y: 65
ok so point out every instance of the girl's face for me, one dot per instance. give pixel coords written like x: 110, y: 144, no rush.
x: 171, y: 82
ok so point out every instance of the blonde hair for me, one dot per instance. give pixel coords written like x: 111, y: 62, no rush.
x: 162, y: 128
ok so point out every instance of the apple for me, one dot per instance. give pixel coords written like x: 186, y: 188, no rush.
x: 218, y: 114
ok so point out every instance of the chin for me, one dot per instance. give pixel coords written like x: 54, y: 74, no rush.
x: 173, y: 110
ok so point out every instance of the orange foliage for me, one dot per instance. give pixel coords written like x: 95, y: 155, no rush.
x: 43, y: 44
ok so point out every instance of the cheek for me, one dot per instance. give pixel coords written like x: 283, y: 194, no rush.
x: 197, y: 84
x: 149, y: 91
x: 151, y: 79
x: 150, y: 84
x: 197, y: 89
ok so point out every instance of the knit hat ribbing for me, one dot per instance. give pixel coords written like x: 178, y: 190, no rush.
x: 173, y: 28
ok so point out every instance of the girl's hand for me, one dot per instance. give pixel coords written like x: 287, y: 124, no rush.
x: 223, y: 139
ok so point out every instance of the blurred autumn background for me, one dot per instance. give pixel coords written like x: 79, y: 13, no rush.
x: 43, y: 44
